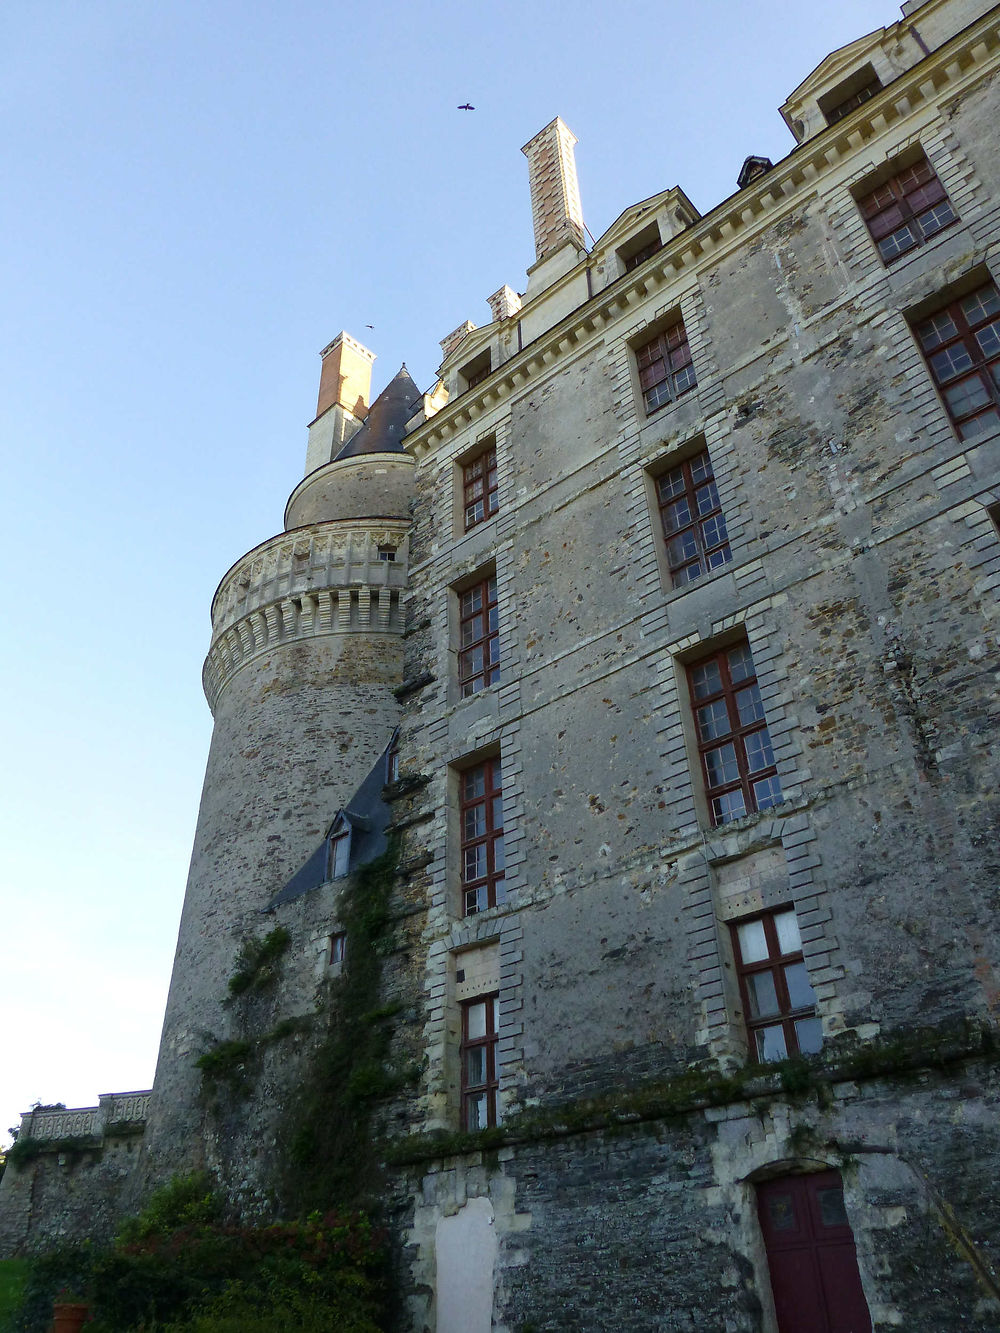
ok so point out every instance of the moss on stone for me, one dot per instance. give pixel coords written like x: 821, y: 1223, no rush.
x: 899, y: 1054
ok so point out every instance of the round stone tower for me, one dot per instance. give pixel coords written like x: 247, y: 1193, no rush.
x: 305, y: 655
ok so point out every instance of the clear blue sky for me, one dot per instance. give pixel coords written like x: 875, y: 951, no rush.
x: 197, y: 195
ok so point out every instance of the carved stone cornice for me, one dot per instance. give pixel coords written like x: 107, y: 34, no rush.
x: 945, y: 72
x: 320, y: 580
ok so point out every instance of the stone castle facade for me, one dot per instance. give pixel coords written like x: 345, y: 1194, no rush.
x: 654, y: 652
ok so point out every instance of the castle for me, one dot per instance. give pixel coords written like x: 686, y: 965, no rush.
x: 647, y: 668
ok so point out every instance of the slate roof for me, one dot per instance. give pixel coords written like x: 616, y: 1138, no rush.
x: 368, y: 816
x: 382, y: 429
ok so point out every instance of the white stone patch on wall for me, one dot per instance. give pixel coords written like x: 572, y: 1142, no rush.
x: 466, y: 1252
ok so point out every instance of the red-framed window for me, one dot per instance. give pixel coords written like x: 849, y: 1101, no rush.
x: 481, y: 807
x: 778, y: 1002
x: 733, y: 741
x: 693, y: 523
x: 961, y: 345
x: 479, y: 487
x: 907, y: 210
x: 478, y: 637
x: 480, y: 1026
x: 338, y: 946
x: 665, y: 368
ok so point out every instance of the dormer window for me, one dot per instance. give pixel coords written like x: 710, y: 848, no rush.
x: 842, y: 100
x: 340, y: 848
x: 640, y: 247
x: 476, y: 371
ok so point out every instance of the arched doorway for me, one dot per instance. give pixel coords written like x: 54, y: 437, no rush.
x: 811, y: 1255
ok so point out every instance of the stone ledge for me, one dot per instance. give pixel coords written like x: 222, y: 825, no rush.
x: 902, y: 1053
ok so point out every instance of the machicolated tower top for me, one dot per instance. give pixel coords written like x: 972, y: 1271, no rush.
x: 304, y: 659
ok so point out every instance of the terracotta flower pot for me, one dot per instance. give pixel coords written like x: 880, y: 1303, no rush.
x: 69, y: 1316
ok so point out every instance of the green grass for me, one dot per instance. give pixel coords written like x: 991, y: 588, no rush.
x: 13, y: 1273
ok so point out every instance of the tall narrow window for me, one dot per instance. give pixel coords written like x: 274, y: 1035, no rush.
x: 479, y: 488
x: 961, y: 345
x: 735, y: 748
x: 665, y: 368
x: 693, y: 523
x: 907, y: 210
x: 778, y: 1001
x: 479, y: 637
x: 482, y: 837
x: 479, y: 1062
x: 340, y: 849
x: 338, y: 947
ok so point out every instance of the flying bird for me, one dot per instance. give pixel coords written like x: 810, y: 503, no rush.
x: 466, y: 106
x: 369, y: 326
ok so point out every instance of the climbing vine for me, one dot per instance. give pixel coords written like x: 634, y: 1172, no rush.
x: 258, y: 962
x: 330, y: 1154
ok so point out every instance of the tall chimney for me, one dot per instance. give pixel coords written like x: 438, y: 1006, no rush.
x: 555, y: 193
x: 345, y: 382
x: 346, y: 376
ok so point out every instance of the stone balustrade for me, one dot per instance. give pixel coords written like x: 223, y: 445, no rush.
x: 77, y: 1122
x: 306, y: 560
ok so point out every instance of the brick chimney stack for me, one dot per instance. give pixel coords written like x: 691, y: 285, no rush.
x: 555, y: 192
x: 345, y: 383
x: 346, y: 376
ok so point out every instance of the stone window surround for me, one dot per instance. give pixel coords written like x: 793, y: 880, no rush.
x: 740, y: 735
x: 948, y: 301
x: 888, y: 176
x: 669, y: 336
x: 653, y: 472
x: 757, y: 628
x: 483, y: 447
x: 787, y: 1015
x: 709, y: 915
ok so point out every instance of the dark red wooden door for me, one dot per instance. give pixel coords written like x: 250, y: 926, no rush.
x: 811, y: 1255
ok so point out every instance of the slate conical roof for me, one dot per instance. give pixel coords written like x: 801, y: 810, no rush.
x: 382, y: 429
